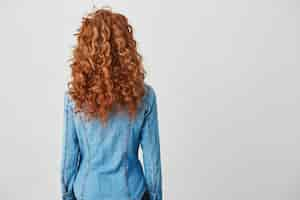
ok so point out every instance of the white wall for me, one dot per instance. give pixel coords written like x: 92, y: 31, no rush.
x: 226, y: 75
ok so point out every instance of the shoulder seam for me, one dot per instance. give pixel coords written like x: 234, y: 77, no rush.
x: 151, y: 98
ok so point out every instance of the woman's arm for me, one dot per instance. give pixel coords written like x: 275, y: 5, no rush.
x: 70, y: 152
x: 150, y: 144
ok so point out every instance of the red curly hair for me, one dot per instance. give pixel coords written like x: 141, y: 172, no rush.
x: 107, y: 70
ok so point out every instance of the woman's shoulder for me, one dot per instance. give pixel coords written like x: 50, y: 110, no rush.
x: 68, y: 102
x: 149, y: 91
x: 150, y: 94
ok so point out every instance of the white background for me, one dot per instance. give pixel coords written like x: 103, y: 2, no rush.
x: 226, y: 74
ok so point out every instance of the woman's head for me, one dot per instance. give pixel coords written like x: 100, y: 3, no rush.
x: 107, y: 70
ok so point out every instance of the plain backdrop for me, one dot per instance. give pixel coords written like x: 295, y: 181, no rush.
x: 226, y: 74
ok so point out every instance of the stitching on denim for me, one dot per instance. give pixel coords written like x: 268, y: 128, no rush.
x: 65, y: 146
x: 88, y: 168
x: 151, y: 171
x: 126, y: 155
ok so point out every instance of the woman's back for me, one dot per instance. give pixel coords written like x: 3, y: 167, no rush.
x: 101, y: 162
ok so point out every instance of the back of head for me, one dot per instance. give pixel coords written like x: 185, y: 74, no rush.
x: 107, y: 70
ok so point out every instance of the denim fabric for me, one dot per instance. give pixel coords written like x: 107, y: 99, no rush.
x: 102, y: 162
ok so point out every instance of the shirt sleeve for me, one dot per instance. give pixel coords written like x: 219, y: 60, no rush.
x: 150, y: 144
x: 70, y: 152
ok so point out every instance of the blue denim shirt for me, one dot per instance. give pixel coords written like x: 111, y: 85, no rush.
x: 102, y: 162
